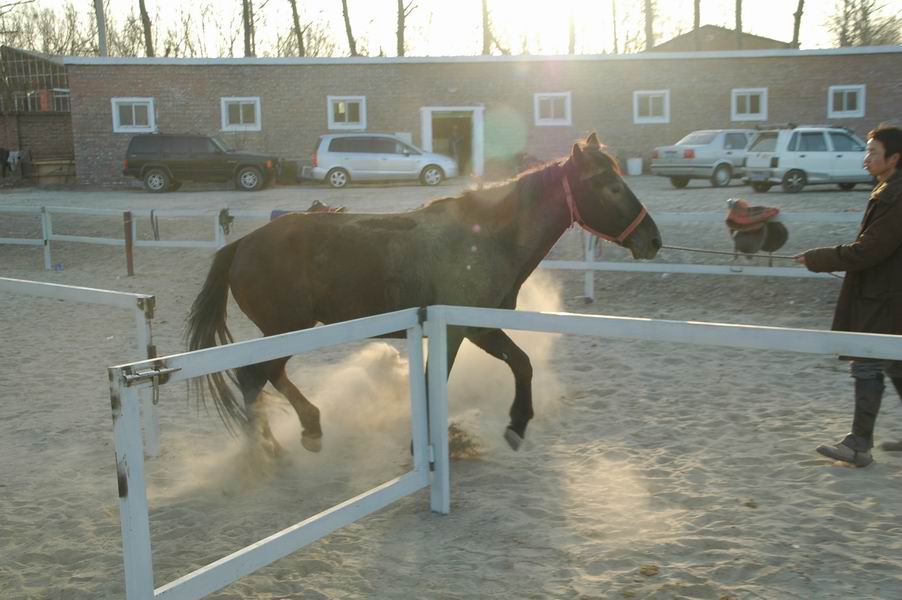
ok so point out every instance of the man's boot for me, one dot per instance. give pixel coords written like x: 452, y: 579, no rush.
x: 855, y: 448
x: 894, y: 446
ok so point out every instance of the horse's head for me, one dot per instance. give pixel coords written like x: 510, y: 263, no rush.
x: 603, y: 203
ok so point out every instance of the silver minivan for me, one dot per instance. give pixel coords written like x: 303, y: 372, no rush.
x: 341, y: 158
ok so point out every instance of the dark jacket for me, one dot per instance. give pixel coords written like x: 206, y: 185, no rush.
x: 870, y: 300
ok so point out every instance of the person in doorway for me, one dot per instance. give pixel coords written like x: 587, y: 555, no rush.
x: 870, y: 300
x: 456, y: 142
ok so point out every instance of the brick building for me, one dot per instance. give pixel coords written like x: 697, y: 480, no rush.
x: 505, y: 105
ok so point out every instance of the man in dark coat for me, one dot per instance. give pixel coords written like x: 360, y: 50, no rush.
x: 870, y: 300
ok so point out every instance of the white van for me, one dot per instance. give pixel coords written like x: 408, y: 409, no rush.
x: 341, y: 158
x: 796, y: 156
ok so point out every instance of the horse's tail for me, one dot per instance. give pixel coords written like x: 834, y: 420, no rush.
x: 206, y: 327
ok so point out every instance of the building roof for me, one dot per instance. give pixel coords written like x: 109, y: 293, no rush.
x: 714, y: 37
x: 364, y: 60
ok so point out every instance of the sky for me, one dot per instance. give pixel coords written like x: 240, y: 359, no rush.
x: 454, y: 27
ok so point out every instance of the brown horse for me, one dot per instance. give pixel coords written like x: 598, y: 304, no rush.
x: 475, y: 249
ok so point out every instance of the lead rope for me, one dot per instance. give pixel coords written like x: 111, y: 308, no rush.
x: 703, y: 251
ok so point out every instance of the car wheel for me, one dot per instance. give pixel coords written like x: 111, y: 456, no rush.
x: 432, y: 175
x: 157, y: 181
x: 794, y: 181
x: 722, y: 176
x: 846, y: 186
x: 338, y: 178
x: 249, y: 179
x: 679, y: 182
x: 761, y: 188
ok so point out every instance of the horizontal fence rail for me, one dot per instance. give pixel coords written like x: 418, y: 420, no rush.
x: 808, y: 341
x: 128, y: 380
x: 141, y: 305
x: 220, y: 219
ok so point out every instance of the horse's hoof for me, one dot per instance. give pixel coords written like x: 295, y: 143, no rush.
x: 313, y: 443
x: 514, y: 439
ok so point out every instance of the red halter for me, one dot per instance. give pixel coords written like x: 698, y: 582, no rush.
x: 576, y: 218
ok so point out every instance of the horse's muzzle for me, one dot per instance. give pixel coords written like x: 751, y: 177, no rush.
x: 645, y: 242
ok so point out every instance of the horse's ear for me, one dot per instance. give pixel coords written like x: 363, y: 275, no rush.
x: 592, y: 140
x: 577, y: 154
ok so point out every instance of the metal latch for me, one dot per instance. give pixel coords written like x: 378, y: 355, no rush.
x: 154, y: 376
x: 149, y: 374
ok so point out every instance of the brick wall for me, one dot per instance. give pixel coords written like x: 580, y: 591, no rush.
x: 293, y: 99
x: 46, y: 135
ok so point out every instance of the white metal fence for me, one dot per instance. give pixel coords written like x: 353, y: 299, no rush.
x: 429, y: 425
x: 127, y: 382
x: 129, y: 238
x: 141, y: 305
x: 221, y: 219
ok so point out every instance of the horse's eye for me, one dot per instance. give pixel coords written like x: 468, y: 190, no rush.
x: 616, y: 188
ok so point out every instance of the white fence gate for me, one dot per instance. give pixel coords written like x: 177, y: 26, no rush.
x: 429, y: 433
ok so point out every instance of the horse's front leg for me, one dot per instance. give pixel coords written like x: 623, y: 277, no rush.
x: 498, y: 344
x: 308, y: 414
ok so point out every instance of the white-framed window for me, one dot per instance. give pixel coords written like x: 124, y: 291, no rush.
x: 845, y: 101
x: 551, y: 108
x: 651, y: 106
x: 240, y: 113
x: 131, y: 115
x: 749, y: 104
x: 346, y: 112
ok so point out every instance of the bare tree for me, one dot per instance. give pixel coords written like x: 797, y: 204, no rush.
x: 857, y: 23
x: 126, y: 40
x: 317, y: 41
x: 351, y: 43
x: 101, y: 27
x: 145, y: 25
x: 614, y: 24
x: 696, y: 23
x: 797, y: 23
x: 571, y: 34
x: 739, y: 24
x: 247, y: 17
x: 404, y: 11
x: 298, y: 32
x: 488, y: 37
x: 649, y: 11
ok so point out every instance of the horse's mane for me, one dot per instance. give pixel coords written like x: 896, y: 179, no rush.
x: 538, y: 180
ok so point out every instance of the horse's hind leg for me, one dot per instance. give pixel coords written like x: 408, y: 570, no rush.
x: 499, y: 345
x: 251, y: 380
x: 311, y: 431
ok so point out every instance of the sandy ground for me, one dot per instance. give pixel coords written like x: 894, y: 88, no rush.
x: 650, y: 470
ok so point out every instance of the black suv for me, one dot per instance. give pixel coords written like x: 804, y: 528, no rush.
x: 164, y: 161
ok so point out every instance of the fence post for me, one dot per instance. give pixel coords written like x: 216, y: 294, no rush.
x: 46, y: 232
x: 133, y: 514
x: 150, y: 417
x: 129, y: 242
x: 419, y: 419
x: 437, y: 330
x: 589, y: 243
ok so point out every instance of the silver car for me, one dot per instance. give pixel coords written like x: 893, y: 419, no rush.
x: 341, y: 158
x: 717, y: 155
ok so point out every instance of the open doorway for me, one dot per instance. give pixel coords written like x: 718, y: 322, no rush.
x: 456, y: 131
x: 452, y: 135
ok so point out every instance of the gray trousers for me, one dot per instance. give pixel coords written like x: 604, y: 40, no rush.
x: 875, y: 368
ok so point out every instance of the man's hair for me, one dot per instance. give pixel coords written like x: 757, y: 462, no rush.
x: 890, y: 137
